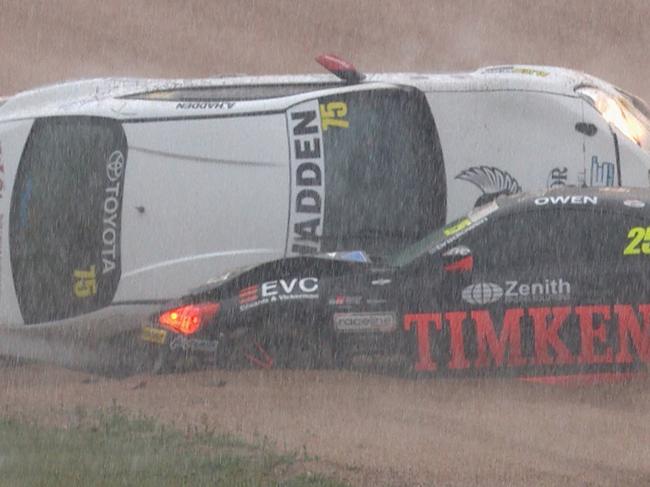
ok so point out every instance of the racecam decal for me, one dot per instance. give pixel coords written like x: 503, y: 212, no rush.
x: 378, y: 322
x: 307, y: 203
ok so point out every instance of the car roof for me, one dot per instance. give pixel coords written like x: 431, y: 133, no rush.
x: 61, y: 98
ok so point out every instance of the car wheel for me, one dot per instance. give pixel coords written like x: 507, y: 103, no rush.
x: 288, y: 346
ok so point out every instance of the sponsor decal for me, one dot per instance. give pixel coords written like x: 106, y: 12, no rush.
x: 602, y: 173
x: 153, y: 335
x: 458, y: 234
x: 639, y: 241
x: 517, y: 291
x: 278, y: 290
x: 341, y: 300
x: 459, y: 251
x: 112, y: 201
x: 557, y: 177
x: 461, y: 259
x: 530, y: 72
x: 179, y: 342
x: 456, y: 227
x: 566, y: 200
x: 605, y: 334
x: 380, y: 282
x: 517, y: 70
x: 307, y: 199
x: 115, y: 166
x: 482, y: 293
x: 492, y: 182
x: 499, y: 70
x: 634, y: 203
x: 365, y: 322
x: 332, y: 115
x: 205, y: 105
x: 85, y: 284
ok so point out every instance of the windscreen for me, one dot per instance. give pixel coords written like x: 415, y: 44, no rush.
x: 65, y: 217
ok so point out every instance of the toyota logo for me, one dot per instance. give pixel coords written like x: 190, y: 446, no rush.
x: 115, y: 166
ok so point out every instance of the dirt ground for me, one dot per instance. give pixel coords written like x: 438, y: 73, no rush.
x: 370, y: 429
x: 381, y: 431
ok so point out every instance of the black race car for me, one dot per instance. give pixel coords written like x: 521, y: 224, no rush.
x: 545, y: 284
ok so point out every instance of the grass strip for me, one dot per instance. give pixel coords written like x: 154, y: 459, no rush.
x: 110, y: 448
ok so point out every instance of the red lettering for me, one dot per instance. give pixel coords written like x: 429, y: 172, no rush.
x: 546, y: 336
x: 629, y: 327
x: 588, y: 333
x: 458, y: 359
x: 510, y: 333
x: 422, y: 321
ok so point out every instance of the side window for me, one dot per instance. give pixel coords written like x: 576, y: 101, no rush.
x: 527, y: 240
x: 384, y: 170
x: 559, y: 238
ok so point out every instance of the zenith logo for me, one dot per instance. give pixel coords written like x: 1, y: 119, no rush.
x: 516, y: 291
x: 482, y: 293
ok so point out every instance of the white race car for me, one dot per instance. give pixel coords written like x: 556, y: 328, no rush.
x: 118, y: 194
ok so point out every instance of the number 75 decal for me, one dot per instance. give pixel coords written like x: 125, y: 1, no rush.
x: 639, y: 241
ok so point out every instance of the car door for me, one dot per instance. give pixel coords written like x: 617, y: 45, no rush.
x: 553, y: 290
x: 507, y: 309
x: 519, y: 262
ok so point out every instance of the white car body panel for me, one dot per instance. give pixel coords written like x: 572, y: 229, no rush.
x: 483, y: 139
x: 211, y: 186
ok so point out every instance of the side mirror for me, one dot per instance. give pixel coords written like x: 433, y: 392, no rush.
x: 458, y: 259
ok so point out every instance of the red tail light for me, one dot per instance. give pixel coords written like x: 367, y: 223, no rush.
x: 188, y: 319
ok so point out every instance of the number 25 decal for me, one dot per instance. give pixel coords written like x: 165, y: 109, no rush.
x: 639, y: 241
